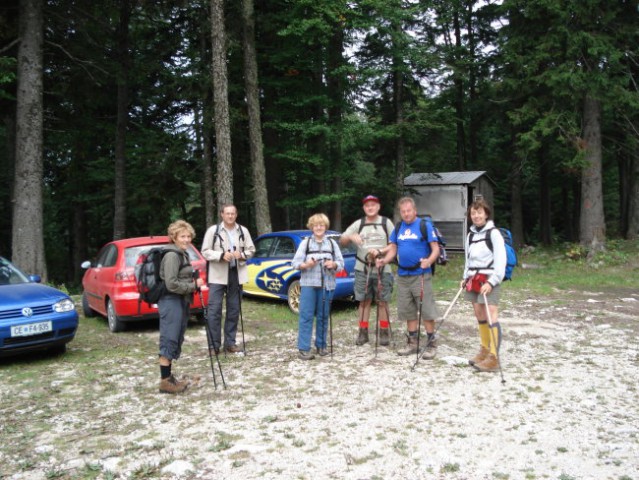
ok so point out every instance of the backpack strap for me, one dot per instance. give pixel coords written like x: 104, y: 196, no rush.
x: 241, y: 238
x: 362, y: 224
x: 217, y: 235
x: 330, y: 241
x: 489, y: 243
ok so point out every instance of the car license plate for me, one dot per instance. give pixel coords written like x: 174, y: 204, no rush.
x: 31, y: 329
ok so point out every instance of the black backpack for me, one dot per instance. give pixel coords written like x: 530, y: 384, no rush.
x: 218, y: 237
x: 442, y: 259
x: 147, y: 275
x: 330, y: 241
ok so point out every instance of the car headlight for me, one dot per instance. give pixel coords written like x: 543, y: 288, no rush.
x: 62, y: 306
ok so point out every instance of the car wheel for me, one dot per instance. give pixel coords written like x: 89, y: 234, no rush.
x: 293, y: 294
x: 88, y: 311
x: 115, y: 324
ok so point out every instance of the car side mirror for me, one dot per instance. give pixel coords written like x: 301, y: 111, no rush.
x: 86, y: 264
x: 35, y: 278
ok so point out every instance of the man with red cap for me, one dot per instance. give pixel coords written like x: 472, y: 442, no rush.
x: 370, y: 234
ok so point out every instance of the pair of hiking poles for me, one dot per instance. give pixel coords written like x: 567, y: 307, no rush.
x: 420, y: 352
x: 380, y: 271
x: 209, y: 343
x: 330, y: 310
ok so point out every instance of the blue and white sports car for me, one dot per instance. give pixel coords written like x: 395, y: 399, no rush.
x: 271, y: 275
x: 33, y: 316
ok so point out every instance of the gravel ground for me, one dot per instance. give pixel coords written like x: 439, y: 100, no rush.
x: 567, y: 409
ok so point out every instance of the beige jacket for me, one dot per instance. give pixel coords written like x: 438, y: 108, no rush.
x: 216, y: 242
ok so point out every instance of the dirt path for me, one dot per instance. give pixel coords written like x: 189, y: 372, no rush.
x: 568, y: 409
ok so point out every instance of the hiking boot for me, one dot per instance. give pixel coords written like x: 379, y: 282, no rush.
x: 384, y: 337
x: 322, y: 352
x: 411, y: 346
x: 430, y: 351
x: 480, y: 357
x: 172, y: 385
x: 233, y: 349
x: 490, y: 364
x: 306, y: 355
x: 362, y: 338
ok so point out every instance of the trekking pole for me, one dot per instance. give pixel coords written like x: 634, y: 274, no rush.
x: 461, y: 289
x: 239, y: 293
x: 419, y: 318
x: 209, y: 337
x: 368, y: 273
x: 330, y: 319
x: 492, y: 335
x: 380, y: 286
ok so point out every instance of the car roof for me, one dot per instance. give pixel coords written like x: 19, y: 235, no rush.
x: 297, y: 233
x: 138, y: 241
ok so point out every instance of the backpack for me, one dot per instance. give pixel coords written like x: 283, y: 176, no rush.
x: 442, y: 259
x: 511, y: 253
x: 147, y: 275
x: 362, y: 224
x: 330, y: 241
x: 217, y: 235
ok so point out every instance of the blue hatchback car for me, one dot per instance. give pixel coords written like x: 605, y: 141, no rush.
x: 33, y: 316
x: 271, y: 275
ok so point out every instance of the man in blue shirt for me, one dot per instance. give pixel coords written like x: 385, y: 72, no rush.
x: 415, y: 255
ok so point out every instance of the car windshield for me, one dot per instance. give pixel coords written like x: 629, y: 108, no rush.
x: 10, y: 275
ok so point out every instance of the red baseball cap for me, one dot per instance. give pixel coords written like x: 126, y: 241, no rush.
x: 370, y: 198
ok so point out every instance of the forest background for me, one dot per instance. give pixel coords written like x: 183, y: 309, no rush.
x: 120, y: 116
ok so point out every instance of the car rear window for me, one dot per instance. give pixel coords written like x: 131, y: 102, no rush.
x: 131, y: 254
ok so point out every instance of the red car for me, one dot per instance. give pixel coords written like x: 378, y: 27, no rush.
x: 109, y: 282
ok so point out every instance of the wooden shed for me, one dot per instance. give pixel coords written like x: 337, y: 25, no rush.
x: 445, y: 197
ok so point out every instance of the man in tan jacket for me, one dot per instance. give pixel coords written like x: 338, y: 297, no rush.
x: 226, y: 246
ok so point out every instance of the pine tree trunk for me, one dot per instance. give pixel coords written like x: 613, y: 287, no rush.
x: 592, y: 227
x: 28, y: 217
x: 459, y: 99
x: 545, y: 231
x: 400, y: 153
x: 632, y: 232
x: 516, y: 201
x: 221, y: 105
x: 205, y: 128
x: 335, y: 112
x: 124, y: 60
x: 260, y: 193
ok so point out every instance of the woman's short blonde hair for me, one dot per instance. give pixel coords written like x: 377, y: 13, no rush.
x: 318, y: 219
x: 178, y: 227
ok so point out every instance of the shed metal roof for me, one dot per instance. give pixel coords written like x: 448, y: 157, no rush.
x: 444, y: 178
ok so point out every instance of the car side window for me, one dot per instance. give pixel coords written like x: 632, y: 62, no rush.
x: 112, y: 256
x: 263, y: 247
x: 285, y: 248
x: 192, y: 255
x: 107, y: 256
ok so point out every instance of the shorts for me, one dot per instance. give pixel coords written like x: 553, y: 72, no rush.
x: 361, y: 292
x: 408, y: 293
x: 492, y: 297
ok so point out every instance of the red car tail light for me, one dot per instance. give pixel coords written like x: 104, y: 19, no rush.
x: 123, y: 276
x: 342, y: 274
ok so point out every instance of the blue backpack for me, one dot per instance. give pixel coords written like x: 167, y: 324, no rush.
x: 511, y: 254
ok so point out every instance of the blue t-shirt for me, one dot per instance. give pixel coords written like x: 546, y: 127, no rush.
x: 411, y: 246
